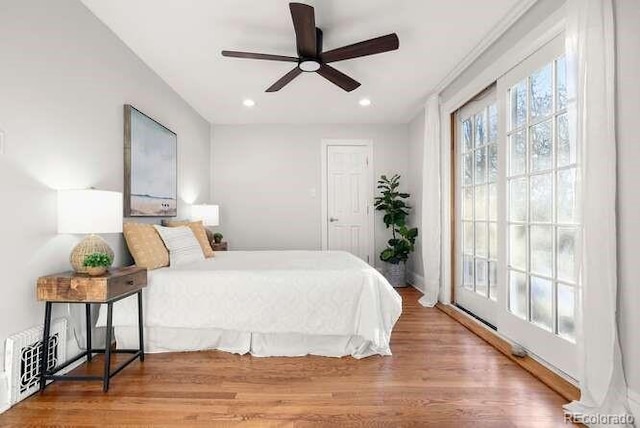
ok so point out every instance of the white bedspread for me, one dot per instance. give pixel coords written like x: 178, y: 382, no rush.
x: 300, y: 292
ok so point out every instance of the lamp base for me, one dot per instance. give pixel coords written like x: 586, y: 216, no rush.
x: 89, y: 245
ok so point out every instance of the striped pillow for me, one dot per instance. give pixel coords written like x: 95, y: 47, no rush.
x: 182, y: 244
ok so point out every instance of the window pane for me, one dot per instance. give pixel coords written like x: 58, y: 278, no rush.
x: 566, y: 194
x: 542, y: 302
x: 566, y: 152
x: 481, y: 165
x: 467, y: 169
x: 493, y: 280
x: 481, y: 202
x: 493, y: 240
x: 482, y: 244
x: 566, y: 253
x: 518, y: 201
x: 493, y: 123
x: 542, y: 250
x: 518, y: 247
x: 541, y: 95
x: 482, y: 279
x: 541, y: 147
x: 481, y: 129
x: 518, y: 294
x: 467, y: 135
x: 493, y: 202
x: 467, y: 237
x: 467, y: 203
x: 566, y: 312
x: 492, y: 159
x: 561, y: 82
x: 519, y: 105
x: 467, y: 272
x: 541, y: 198
x: 518, y: 153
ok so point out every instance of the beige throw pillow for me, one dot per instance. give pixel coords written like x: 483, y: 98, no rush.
x: 145, y: 245
x: 198, y: 230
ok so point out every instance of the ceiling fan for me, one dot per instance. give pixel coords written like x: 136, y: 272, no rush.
x: 312, y: 59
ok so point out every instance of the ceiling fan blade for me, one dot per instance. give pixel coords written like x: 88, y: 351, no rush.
x: 378, y: 45
x: 304, y: 23
x: 284, y: 80
x: 338, y: 78
x: 251, y: 55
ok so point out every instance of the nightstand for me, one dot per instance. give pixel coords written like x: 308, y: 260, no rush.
x: 222, y: 246
x: 71, y: 287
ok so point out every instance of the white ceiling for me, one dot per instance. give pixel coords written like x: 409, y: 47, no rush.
x: 181, y: 40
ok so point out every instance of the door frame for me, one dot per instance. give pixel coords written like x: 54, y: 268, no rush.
x: 324, y: 146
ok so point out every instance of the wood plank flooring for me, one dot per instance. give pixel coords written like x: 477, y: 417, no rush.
x: 440, y: 375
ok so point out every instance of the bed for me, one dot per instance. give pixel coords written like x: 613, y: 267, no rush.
x: 266, y: 303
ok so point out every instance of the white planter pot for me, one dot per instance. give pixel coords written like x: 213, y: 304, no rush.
x: 396, y: 274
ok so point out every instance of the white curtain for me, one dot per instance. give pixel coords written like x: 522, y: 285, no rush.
x: 590, y: 53
x: 431, y: 202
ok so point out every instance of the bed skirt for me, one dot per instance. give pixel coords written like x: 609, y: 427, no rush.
x: 166, y: 339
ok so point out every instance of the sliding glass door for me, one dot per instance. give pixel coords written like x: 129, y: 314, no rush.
x: 516, y: 222
x: 476, y: 206
x: 540, y: 200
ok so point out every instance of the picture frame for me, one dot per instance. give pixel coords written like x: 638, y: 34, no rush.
x: 150, y: 166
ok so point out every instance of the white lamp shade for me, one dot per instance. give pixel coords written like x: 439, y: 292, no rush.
x: 209, y: 214
x: 89, y: 211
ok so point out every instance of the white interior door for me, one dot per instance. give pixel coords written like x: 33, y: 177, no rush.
x: 349, y: 196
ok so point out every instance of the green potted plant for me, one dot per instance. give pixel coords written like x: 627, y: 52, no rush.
x: 97, y: 263
x: 392, y: 203
x: 217, y: 237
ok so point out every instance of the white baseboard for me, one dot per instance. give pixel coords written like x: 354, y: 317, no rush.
x: 634, y: 403
x: 417, y: 281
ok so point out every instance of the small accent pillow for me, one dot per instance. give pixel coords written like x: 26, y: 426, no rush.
x: 146, y: 247
x: 198, y: 230
x: 183, y: 246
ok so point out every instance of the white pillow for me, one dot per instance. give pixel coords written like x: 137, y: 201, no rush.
x: 182, y: 244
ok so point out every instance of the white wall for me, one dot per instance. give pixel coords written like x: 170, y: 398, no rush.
x: 627, y: 16
x: 64, y: 78
x: 264, y: 178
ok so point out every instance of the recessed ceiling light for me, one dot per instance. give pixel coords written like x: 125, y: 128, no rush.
x: 365, y: 102
x: 248, y: 103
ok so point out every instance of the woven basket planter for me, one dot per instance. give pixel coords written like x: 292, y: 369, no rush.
x: 89, y: 245
x: 396, y: 274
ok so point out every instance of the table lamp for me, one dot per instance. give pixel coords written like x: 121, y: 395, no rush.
x: 209, y: 214
x: 90, y: 212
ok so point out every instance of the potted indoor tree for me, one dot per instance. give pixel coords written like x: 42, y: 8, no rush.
x: 392, y: 203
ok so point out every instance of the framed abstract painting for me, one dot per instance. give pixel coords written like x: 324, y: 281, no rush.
x: 150, y: 167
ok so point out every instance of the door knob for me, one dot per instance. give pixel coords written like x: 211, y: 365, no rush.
x: 332, y: 219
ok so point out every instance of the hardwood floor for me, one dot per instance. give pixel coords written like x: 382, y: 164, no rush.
x: 440, y: 375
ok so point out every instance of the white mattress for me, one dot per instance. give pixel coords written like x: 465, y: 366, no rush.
x: 287, y: 293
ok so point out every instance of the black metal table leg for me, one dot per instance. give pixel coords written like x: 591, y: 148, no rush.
x: 45, y: 345
x: 88, y: 314
x: 107, y: 349
x: 140, y: 326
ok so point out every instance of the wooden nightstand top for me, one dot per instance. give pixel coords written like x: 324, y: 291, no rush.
x: 79, y: 287
x: 221, y: 246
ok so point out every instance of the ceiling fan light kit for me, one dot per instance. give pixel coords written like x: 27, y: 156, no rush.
x: 311, y: 58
